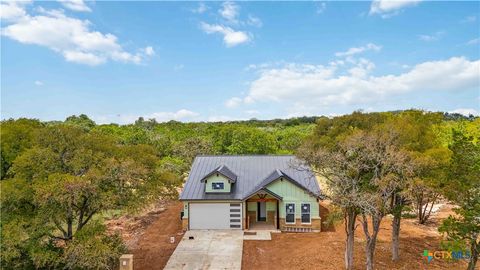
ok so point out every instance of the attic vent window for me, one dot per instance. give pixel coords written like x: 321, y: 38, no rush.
x: 217, y: 185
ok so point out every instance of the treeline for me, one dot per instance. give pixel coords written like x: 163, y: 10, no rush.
x: 386, y: 163
x: 60, y: 179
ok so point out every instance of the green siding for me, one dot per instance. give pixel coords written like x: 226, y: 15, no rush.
x: 217, y: 179
x: 293, y: 194
x: 271, y: 206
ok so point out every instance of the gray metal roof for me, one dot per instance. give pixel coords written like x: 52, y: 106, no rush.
x: 251, y: 171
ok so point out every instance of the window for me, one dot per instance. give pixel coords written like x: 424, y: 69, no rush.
x: 217, y: 185
x: 306, y: 213
x: 290, y: 213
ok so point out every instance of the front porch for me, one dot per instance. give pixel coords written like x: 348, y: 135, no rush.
x: 261, y: 225
x: 262, y: 212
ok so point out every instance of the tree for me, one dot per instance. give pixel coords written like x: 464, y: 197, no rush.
x: 463, y: 189
x: 16, y: 137
x: 384, y: 164
x: 418, y: 136
x: 192, y: 147
x: 61, y: 187
x: 80, y: 121
x: 330, y: 155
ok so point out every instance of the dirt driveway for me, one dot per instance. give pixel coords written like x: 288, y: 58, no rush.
x: 208, y: 249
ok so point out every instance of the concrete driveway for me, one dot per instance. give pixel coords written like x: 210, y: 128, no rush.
x: 210, y: 249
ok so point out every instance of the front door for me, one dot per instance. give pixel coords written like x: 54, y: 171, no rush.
x: 262, y: 211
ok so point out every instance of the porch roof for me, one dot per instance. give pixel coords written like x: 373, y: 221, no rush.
x: 273, y: 194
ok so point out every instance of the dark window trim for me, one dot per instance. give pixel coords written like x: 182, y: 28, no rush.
x: 287, y: 214
x: 218, y: 183
x: 309, y: 213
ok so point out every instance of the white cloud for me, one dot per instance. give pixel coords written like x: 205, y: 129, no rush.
x: 254, y: 21
x: 231, y: 37
x: 469, y: 19
x: 90, y: 59
x: 180, y: 115
x: 38, y: 83
x: 433, y: 37
x: 75, y: 5
x: 389, y: 8
x: 12, y: 10
x: 230, y: 17
x: 357, y: 50
x: 70, y: 37
x: 305, y: 86
x: 320, y: 7
x: 474, y: 41
x: 222, y: 118
x: 466, y: 111
x: 233, y: 102
x: 149, y: 51
x: 230, y: 11
x: 200, y: 9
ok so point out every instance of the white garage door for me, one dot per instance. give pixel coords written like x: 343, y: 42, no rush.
x: 215, y: 216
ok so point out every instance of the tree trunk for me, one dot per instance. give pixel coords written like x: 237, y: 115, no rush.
x: 350, y: 219
x: 369, y: 250
x: 396, y: 235
x: 397, y: 217
x: 371, y: 239
x: 474, y: 250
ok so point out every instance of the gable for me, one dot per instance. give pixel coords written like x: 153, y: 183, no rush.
x: 290, y: 191
x: 217, y: 178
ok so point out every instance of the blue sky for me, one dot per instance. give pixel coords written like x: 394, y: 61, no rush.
x: 209, y: 61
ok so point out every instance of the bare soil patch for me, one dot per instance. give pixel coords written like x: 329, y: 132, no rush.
x: 154, y: 248
x: 148, y: 238
x: 147, y: 235
x: 325, y: 250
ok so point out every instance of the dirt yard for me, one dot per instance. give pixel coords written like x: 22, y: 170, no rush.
x: 153, y: 248
x: 325, y: 250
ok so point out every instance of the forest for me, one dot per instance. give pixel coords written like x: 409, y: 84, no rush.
x: 59, y: 179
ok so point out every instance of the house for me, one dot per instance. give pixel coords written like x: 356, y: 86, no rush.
x: 251, y: 192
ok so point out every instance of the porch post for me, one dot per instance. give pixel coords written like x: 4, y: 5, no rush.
x: 247, y: 221
x: 278, y: 216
